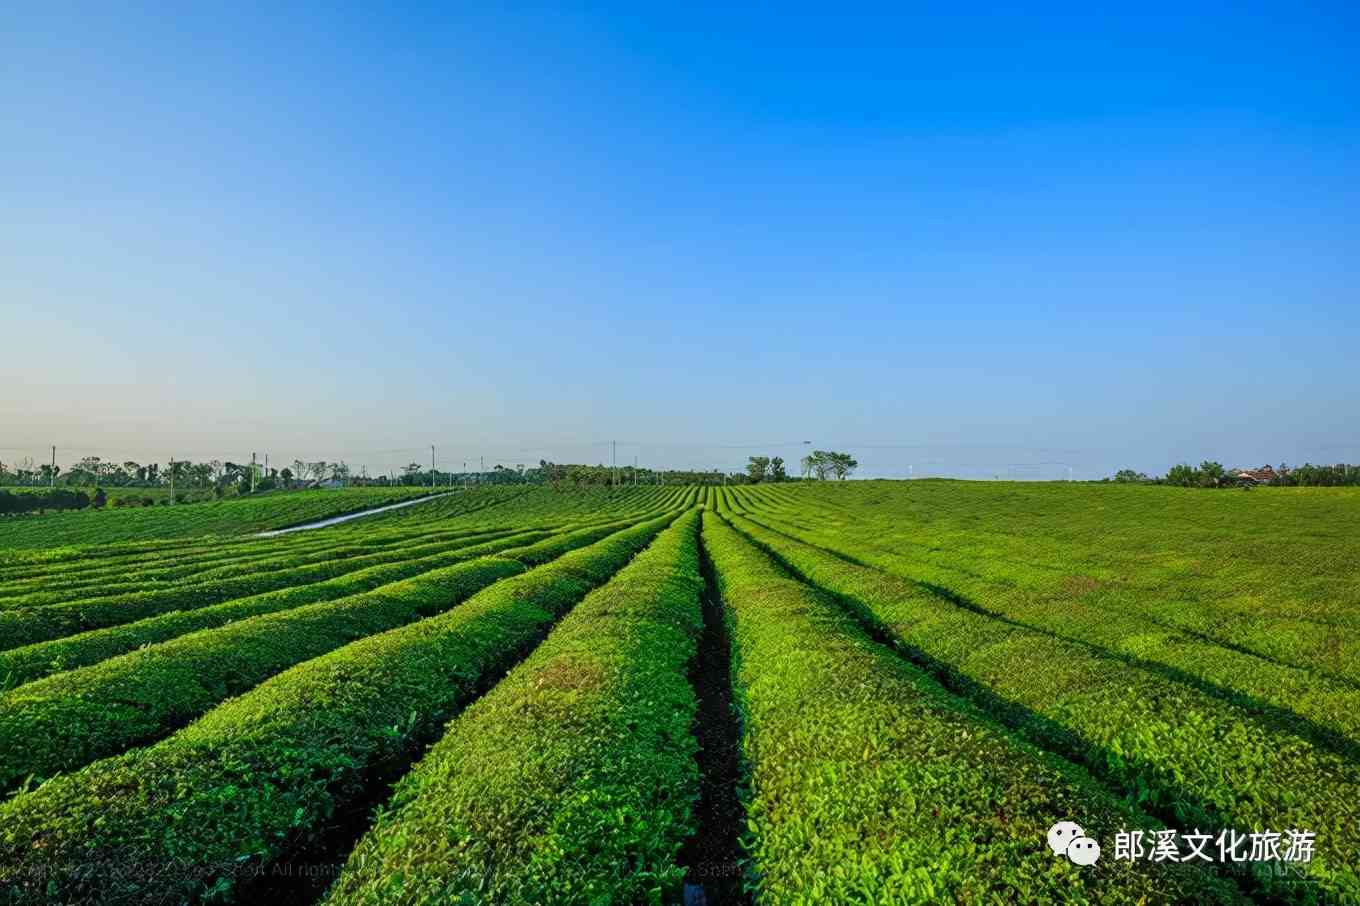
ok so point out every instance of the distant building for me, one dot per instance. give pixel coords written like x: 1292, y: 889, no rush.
x: 1263, y: 475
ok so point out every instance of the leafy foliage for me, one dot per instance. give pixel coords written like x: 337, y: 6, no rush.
x: 587, y: 740
x: 260, y: 776
x: 1193, y: 753
x: 869, y: 783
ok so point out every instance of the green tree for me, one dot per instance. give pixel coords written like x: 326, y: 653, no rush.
x: 1211, y: 474
x: 1182, y: 475
x: 776, y: 470
x: 756, y: 468
x: 843, y: 465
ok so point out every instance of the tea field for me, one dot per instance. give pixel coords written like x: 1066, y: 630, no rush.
x: 800, y: 693
x: 233, y: 516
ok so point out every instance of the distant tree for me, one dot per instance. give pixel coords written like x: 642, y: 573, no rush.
x: 1210, y: 474
x: 756, y: 467
x: 1129, y: 476
x: 827, y: 463
x: 84, y: 472
x: 1182, y: 475
x: 820, y: 462
x: 287, y: 475
x: 843, y: 465
x: 100, y: 498
x: 776, y: 471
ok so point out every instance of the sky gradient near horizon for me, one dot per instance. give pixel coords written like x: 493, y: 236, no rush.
x: 981, y: 241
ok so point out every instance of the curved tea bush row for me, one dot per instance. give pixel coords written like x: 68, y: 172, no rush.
x: 31, y: 662
x: 63, y: 561
x: 68, y: 720
x: 1184, y: 754
x: 262, y: 776
x: 870, y: 783
x: 1318, y: 704
x: 573, y: 780
x: 237, y: 516
x: 27, y: 626
x: 1266, y: 574
x: 108, y: 558
x: 226, y: 559
x: 206, y: 578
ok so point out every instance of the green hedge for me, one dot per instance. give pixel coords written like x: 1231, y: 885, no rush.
x: 1194, y: 759
x: 573, y: 780
x: 869, y: 783
x: 32, y: 662
x: 260, y: 777
x: 70, y: 719
x: 237, y: 516
x: 224, y: 562
x: 26, y: 626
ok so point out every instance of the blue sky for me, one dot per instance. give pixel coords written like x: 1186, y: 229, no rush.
x: 966, y: 240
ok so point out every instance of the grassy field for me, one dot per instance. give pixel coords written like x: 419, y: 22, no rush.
x: 858, y: 692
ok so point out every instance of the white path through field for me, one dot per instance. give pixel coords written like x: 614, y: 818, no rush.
x: 336, y: 520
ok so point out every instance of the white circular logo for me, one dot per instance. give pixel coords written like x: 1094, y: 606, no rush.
x: 1061, y: 834
x: 1083, y: 851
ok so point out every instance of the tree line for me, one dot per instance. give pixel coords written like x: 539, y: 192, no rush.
x: 819, y: 464
x: 42, y: 501
x: 222, y: 477
x: 1211, y: 474
x: 82, y: 484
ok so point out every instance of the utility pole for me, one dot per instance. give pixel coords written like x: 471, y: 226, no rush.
x: 52, y: 476
x: 465, y: 481
x: 431, y: 467
x: 481, y: 475
x: 634, y: 469
x: 252, y: 474
x: 172, y: 481
x: 614, y: 464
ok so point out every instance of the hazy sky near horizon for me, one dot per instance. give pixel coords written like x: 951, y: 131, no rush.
x: 956, y: 240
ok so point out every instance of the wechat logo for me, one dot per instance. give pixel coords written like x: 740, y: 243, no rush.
x: 1066, y: 838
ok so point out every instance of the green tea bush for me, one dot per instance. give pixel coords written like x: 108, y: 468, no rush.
x: 1195, y: 759
x: 203, y: 812
x: 573, y: 780
x: 32, y: 662
x: 869, y: 783
x: 70, y: 719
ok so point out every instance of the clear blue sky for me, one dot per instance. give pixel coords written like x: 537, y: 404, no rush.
x: 966, y: 236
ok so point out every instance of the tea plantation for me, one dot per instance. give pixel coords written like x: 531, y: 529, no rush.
x: 792, y: 693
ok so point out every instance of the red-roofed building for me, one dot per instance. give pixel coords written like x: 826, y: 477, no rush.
x: 1263, y: 475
